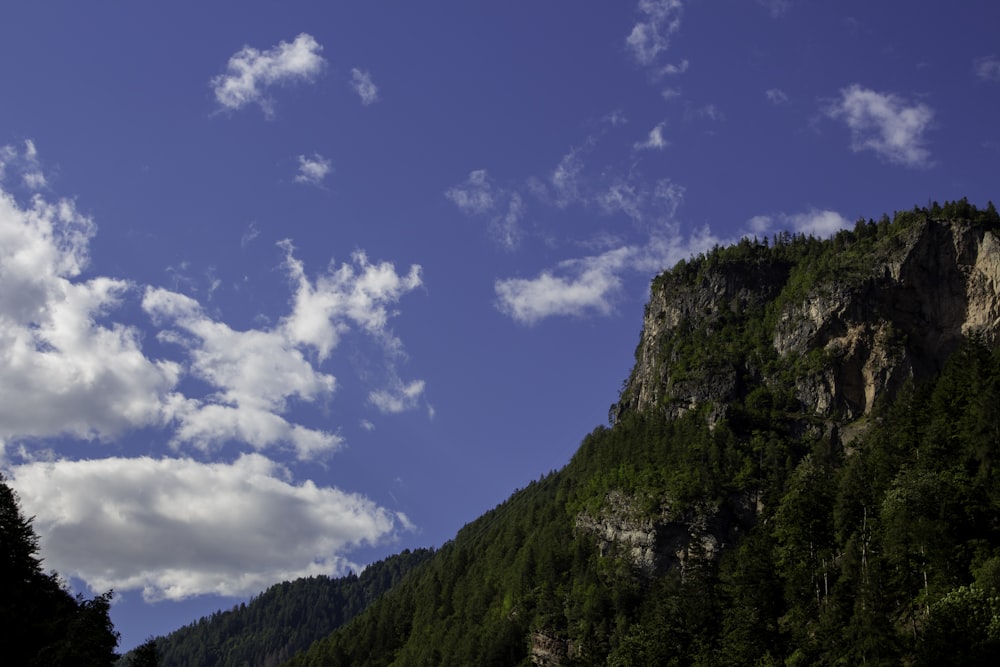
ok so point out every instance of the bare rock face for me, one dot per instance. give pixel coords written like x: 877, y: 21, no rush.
x: 548, y: 650
x: 831, y: 341
x: 937, y: 283
x: 665, y: 540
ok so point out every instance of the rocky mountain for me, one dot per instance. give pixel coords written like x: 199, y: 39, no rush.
x: 892, y: 310
x: 803, y: 467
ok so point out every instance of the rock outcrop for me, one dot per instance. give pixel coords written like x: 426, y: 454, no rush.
x: 835, y: 339
x: 935, y: 283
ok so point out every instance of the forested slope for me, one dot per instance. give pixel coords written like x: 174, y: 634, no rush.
x: 802, y: 469
x: 284, y: 619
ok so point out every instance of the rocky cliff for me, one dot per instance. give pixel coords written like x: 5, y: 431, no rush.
x: 826, y: 329
x: 896, y: 309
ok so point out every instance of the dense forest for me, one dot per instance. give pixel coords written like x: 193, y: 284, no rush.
x: 284, y: 619
x: 730, y: 513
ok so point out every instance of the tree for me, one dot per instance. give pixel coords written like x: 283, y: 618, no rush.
x: 42, y: 623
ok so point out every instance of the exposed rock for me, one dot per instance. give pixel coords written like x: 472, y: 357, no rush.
x: 938, y: 282
x: 666, y: 540
x: 549, y: 650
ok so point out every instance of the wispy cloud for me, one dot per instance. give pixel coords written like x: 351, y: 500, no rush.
x: 364, y: 87
x: 250, y: 72
x: 175, y: 528
x: 776, y: 96
x: 480, y: 196
x: 251, y: 233
x: 24, y: 162
x: 590, y: 285
x: 475, y: 196
x: 988, y: 68
x: 313, y: 169
x: 397, y: 398
x: 654, y: 140
x: 885, y: 124
x: 566, y: 178
x: 650, y: 36
x: 673, y: 70
x: 814, y: 222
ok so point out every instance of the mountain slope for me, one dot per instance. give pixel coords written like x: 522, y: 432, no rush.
x: 284, y: 619
x: 801, y: 469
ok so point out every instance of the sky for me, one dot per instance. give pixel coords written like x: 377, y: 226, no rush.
x: 288, y: 287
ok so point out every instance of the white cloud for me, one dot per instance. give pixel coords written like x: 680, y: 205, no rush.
x: 254, y: 374
x: 26, y: 163
x: 819, y: 222
x: 479, y: 196
x: 65, y: 368
x: 312, y: 170
x: 589, y: 285
x: 250, y: 72
x: 398, y: 398
x: 475, y: 196
x: 884, y: 123
x: 566, y: 179
x: 709, y: 111
x: 650, y: 36
x: 776, y: 96
x: 616, y: 118
x: 625, y: 196
x: 7, y: 155
x: 364, y: 87
x: 360, y: 295
x: 814, y: 222
x: 655, y: 140
x: 175, y: 528
x: 575, y: 287
x: 988, y: 68
x: 252, y: 232
x: 673, y: 70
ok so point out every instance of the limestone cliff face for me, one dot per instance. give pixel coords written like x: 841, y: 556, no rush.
x: 835, y: 340
x: 936, y: 282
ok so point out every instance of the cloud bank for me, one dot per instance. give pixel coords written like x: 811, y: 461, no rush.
x: 177, y: 527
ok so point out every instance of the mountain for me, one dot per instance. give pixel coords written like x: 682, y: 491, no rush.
x: 803, y: 467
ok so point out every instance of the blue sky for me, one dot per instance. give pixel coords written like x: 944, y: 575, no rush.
x: 289, y: 287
